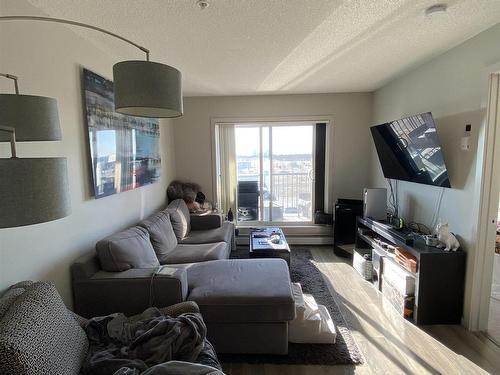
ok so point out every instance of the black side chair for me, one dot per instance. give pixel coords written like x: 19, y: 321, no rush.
x: 248, y: 200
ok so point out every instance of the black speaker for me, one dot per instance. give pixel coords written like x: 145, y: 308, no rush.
x: 344, y: 228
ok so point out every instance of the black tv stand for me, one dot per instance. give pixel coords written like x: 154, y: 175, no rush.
x: 439, y: 279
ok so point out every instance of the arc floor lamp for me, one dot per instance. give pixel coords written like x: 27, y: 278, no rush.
x: 142, y: 88
x: 35, y: 190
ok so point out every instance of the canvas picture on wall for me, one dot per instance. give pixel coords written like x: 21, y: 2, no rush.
x: 124, y: 150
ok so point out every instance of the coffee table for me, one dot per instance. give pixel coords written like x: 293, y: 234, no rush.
x: 262, y: 247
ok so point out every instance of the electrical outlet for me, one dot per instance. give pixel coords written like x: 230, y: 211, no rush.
x: 465, y: 143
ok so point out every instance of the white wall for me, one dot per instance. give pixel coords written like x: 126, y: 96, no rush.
x: 48, y: 59
x: 454, y: 86
x: 351, y: 115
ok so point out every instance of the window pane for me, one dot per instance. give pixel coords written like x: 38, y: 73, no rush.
x: 292, y: 172
x: 247, y: 140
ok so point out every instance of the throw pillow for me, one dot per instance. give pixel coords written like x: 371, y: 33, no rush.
x: 180, y: 218
x: 39, y: 336
x: 130, y: 248
x: 161, y: 234
x: 8, y: 298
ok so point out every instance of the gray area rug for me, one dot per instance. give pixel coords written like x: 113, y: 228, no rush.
x: 343, y: 352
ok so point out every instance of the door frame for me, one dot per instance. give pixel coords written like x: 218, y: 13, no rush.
x: 328, y: 119
x: 488, y: 209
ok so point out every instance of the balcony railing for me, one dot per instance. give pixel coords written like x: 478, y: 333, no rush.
x: 291, y: 195
x: 292, y: 191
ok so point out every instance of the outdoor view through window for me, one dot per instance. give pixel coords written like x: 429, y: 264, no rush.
x: 274, y: 172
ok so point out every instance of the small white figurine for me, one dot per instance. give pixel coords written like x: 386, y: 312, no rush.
x: 446, y: 238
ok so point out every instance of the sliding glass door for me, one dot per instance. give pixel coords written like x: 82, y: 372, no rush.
x: 274, y: 172
x: 292, y: 173
x: 248, y: 172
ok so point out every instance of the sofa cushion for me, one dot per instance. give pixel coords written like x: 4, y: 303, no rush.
x: 180, y: 218
x: 198, y: 253
x: 206, y: 221
x: 130, y: 248
x: 242, y: 290
x: 161, y: 234
x: 39, y: 336
x: 224, y: 233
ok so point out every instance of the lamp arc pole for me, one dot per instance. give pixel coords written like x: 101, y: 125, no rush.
x: 9, y: 129
x: 12, y: 132
x: 12, y: 77
x: 75, y: 23
x: 141, y: 88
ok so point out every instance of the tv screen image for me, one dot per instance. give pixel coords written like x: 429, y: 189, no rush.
x: 409, y: 150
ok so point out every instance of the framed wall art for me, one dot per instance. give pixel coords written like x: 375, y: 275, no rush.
x: 124, y: 150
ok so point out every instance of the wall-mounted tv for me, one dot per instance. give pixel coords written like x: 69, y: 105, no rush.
x: 409, y: 150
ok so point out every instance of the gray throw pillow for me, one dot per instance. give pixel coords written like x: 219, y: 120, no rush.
x: 161, y: 234
x: 128, y: 249
x: 180, y: 218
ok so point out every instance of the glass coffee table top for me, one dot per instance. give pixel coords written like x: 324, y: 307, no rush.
x: 261, y: 240
x: 261, y: 245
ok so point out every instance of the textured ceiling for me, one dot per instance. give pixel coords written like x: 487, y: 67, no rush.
x: 281, y: 46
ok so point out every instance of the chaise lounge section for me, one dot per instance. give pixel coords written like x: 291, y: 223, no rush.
x: 246, y: 303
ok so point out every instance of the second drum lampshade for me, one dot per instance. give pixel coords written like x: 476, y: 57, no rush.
x: 34, y: 118
x: 147, y: 89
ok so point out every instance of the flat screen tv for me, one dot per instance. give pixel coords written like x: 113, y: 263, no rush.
x: 409, y: 150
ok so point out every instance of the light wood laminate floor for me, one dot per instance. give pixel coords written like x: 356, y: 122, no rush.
x: 390, y: 344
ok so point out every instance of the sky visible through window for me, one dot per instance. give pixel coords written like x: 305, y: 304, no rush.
x: 287, y: 140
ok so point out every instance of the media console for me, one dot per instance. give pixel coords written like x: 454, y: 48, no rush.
x: 435, y: 288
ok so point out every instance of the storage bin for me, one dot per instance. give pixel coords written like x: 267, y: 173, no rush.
x: 399, y: 278
x: 404, y: 304
x: 363, y: 265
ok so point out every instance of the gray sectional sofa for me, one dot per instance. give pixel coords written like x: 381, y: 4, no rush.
x: 172, y: 257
